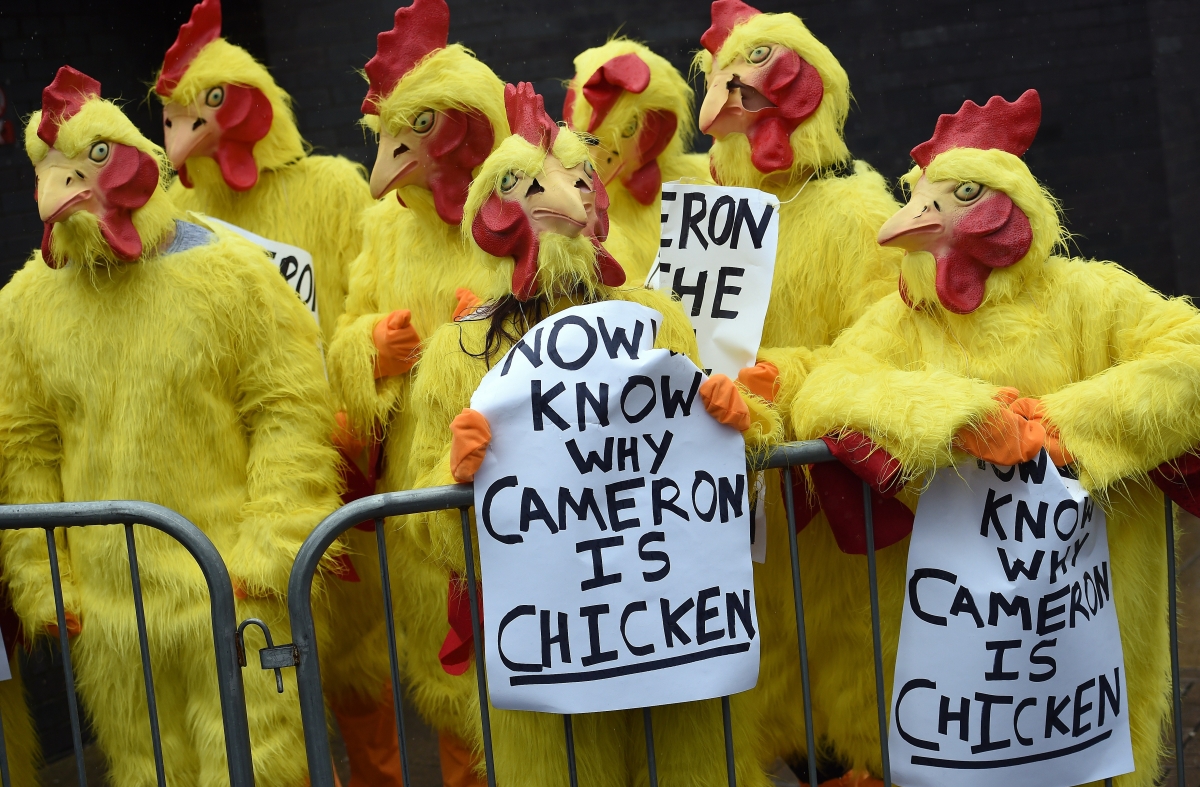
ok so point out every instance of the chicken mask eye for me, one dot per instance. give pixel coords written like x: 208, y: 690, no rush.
x: 630, y: 128
x: 99, y: 152
x: 759, y: 54
x: 215, y: 97
x: 508, y: 182
x: 588, y: 169
x: 423, y: 122
x: 968, y: 192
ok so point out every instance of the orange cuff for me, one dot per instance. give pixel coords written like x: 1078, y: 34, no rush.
x: 471, y: 435
x: 762, y: 379
x: 73, y: 625
x: 397, y: 344
x: 1007, y: 437
x: 467, y: 303
x: 724, y: 402
x: 1033, y: 410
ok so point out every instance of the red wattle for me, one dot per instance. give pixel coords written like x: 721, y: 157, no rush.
x: 770, y: 145
x: 244, y: 118
x: 610, y: 271
x: 993, y: 234
x: 48, y: 256
x: 460, y: 144
x: 125, y: 184
x: 502, y: 230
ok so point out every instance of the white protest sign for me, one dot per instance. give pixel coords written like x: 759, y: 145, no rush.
x: 613, y: 516
x: 295, y: 264
x: 718, y: 254
x: 1009, y: 668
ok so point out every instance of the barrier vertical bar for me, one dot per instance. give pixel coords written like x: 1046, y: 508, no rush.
x: 801, y: 633
x: 651, y: 765
x: 880, y: 705
x: 68, y: 672
x: 727, y: 721
x: 569, y: 730
x: 1173, y: 622
x: 135, y: 576
x: 393, y: 652
x: 5, y: 777
x: 477, y: 634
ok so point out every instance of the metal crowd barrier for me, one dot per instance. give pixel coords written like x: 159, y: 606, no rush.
x: 461, y: 497
x: 224, y: 621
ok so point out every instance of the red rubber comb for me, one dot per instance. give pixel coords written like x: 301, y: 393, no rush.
x: 604, y: 87
x: 201, y: 29
x: 726, y: 14
x: 527, y: 116
x: 998, y: 124
x: 62, y: 98
x: 419, y: 29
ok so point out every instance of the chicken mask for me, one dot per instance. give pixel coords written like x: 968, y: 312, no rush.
x: 636, y: 104
x: 430, y: 105
x: 538, y: 201
x: 770, y: 81
x: 95, y: 174
x: 220, y: 104
x: 975, y: 212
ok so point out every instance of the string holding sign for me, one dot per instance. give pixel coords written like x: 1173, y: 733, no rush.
x: 616, y: 566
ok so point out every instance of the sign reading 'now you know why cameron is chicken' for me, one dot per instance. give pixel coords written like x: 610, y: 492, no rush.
x: 1009, y: 668
x: 612, y: 515
x: 717, y: 254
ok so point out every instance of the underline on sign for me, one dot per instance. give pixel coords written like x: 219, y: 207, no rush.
x: 629, y: 669
x: 934, y: 762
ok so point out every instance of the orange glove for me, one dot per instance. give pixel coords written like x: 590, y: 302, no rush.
x: 762, y: 379
x: 344, y: 438
x: 73, y: 625
x: 1033, y: 410
x: 1006, y: 438
x: 467, y: 303
x: 471, y: 435
x: 397, y: 344
x: 724, y: 402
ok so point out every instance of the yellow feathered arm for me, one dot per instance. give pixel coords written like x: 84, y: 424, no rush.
x: 285, y: 406
x: 351, y: 357
x: 32, y: 449
x: 875, y: 384
x: 1145, y: 409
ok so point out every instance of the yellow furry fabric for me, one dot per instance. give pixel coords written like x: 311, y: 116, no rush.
x: 1117, y: 367
x: 817, y: 143
x: 221, y: 62
x: 411, y: 259
x: 193, y: 381
x: 829, y: 270
x: 21, y: 745
x: 315, y: 202
x: 640, y: 224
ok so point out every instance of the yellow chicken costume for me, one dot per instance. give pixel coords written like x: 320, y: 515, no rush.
x: 776, y: 103
x: 231, y: 135
x: 438, y: 113
x: 639, y: 108
x: 147, y: 357
x: 531, y: 211
x: 986, y: 305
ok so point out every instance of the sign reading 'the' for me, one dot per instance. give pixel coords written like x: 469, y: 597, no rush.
x: 718, y: 255
x: 613, y: 516
x: 1009, y: 669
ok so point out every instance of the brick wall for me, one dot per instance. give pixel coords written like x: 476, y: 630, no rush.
x: 1118, y: 80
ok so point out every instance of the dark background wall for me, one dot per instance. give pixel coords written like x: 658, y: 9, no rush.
x: 1119, y: 79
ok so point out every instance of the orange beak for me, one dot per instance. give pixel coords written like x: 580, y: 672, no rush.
x: 732, y: 100
x: 64, y: 187
x: 559, y: 208
x: 918, y: 226
x: 189, y: 131
x: 399, y: 161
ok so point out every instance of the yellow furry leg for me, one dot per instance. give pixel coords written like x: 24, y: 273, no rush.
x: 20, y: 739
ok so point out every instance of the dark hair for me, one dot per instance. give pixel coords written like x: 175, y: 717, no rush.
x: 509, y: 319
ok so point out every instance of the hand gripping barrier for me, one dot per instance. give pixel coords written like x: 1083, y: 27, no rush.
x: 224, y: 621
x: 785, y: 458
